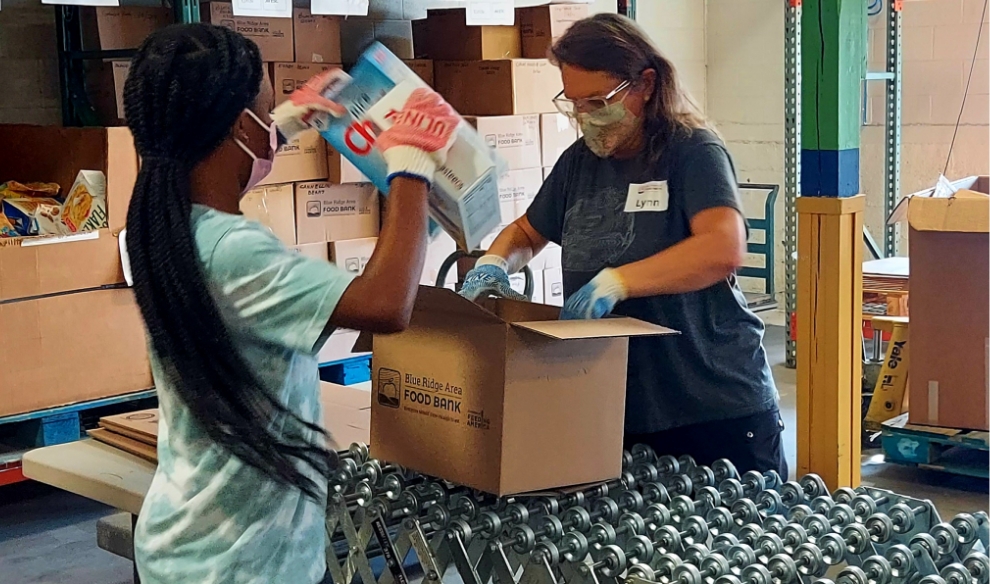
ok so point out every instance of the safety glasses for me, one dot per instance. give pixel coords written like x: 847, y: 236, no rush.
x: 572, y: 107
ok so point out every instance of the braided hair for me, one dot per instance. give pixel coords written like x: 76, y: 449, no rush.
x: 187, y: 87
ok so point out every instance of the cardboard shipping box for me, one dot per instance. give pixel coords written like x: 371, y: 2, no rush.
x: 445, y: 35
x: 316, y: 37
x: 329, y: 212
x: 498, y: 88
x: 304, y: 158
x: 272, y: 35
x: 339, y: 346
x: 352, y: 254
x: 557, y: 134
x: 358, y: 33
x: 273, y: 206
x: 36, y: 266
x: 113, y: 28
x: 346, y: 414
x: 949, y: 250
x: 541, y: 26
x: 423, y: 68
x: 288, y: 77
x: 317, y: 251
x: 397, y: 9
x: 515, y: 138
x: 502, y: 396
x: 70, y: 348
x: 553, y: 287
x: 340, y: 170
x: 516, y: 190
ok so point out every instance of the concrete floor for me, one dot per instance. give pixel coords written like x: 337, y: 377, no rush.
x: 48, y: 536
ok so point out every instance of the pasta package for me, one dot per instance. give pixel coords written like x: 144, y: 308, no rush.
x: 15, y: 190
x: 85, y: 207
x: 34, y: 216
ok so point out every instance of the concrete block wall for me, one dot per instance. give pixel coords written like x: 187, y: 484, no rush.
x: 678, y: 29
x: 28, y: 64
x: 745, y: 88
x: 939, y: 40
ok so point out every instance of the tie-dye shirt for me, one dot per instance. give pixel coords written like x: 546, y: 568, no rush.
x: 208, y: 517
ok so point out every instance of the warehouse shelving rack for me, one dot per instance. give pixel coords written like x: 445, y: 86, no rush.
x: 76, y: 107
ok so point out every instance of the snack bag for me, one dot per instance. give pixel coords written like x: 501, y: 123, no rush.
x: 15, y: 190
x: 464, y: 197
x: 35, y: 216
x: 6, y: 227
x: 85, y: 207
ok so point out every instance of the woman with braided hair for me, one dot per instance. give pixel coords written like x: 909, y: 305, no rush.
x: 234, y: 318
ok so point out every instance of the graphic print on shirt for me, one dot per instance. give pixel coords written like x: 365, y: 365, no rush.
x: 597, y: 231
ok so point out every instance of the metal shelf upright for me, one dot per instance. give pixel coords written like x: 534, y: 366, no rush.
x: 892, y: 124
x: 76, y: 107
x: 792, y: 166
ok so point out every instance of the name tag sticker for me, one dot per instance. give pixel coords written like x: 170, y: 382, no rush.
x: 651, y: 196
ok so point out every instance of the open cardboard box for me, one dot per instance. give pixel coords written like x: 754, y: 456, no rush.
x: 949, y: 245
x: 36, y: 266
x: 502, y: 396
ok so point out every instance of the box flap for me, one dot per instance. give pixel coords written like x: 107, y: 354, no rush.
x: 595, y: 329
x: 943, y: 189
x: 965, y: 212
x: 433, y: 299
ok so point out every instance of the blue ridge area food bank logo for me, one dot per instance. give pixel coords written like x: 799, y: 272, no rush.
x: 389, y: 388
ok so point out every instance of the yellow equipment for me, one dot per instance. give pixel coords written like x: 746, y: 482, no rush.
x: 890, y: 396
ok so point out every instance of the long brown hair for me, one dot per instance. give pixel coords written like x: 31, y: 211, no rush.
x: 614, y: 44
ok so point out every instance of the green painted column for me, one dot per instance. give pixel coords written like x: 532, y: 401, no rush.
x: 833, y: 53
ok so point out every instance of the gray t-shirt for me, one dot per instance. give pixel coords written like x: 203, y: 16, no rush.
x: 716, y: 369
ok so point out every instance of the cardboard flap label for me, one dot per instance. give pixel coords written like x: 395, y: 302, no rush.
x: 433, y: 299
x: 595, y: 329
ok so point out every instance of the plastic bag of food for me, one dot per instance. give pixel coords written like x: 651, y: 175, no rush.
x: 6, y: 227
x: 85, y: 207
x: 15, y: 190
x: 36, y: 216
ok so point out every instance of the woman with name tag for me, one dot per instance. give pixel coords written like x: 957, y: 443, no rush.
x: 646, y: 210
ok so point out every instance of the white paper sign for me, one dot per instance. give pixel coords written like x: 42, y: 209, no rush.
x: 497, y: 12
x: 82, y: 2
x: 651, y: 196
x: 263, y: 8
x: 340, y: 7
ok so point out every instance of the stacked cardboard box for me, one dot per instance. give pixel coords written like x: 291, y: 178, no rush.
x: 71, y: 333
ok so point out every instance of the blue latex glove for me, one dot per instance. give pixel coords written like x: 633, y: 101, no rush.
x: 489, y: 278
x: 597, y: 298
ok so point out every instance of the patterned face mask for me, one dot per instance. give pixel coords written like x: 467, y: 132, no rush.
x: 608, y: 128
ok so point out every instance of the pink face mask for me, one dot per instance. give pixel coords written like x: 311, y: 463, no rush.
x: 260, y: 167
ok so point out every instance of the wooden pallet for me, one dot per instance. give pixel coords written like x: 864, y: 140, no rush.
x: 963, y: 452
x: 23, y: 432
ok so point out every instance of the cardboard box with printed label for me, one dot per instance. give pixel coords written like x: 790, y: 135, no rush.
x: 949, y: 250
x: 498, y: 88
x: 304, y: 158
x: 357, y: 34
x: 273, y: 206
x: 288, y: 77
x: 70, y: 348
x: 346, y: 410
x: 341, y: 170
x: 329, y: 212
x: 36, y: 266
x: 317, y: 251
x: 557, y: 134
x: 553, y: 287
x: 352, y: 254
x: 316, y: 37
x: 272, y: 35
x: 521, y: 187
x: 423, y: 68
x: 541, y: 26
x: 445, y: 35
x: 502, y: 396
x: 437, y: 251
x: 515, y: 138
x: 113, y: 28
